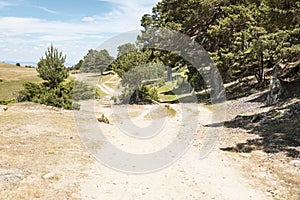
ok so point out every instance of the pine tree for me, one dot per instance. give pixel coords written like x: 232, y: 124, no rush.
x: 51, y: 67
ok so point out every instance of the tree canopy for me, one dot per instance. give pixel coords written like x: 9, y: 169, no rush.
x: 51, y: 67
x: 126, y: 48
x: 242, y: 37
x: 96, y: 61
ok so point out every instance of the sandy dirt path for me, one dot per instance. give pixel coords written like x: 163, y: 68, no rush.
x: 37, y: 141
x: 190, y: 177
x: 214, y: 177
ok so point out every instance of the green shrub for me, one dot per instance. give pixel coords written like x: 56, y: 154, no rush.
x: 6, y: 102
x: 103, y: 119
x: 146, y: 95
x: 39, y: 93
x: 75, y: 106
x: 152, y: 93
x: 29, y: 66
x: 62, y: 96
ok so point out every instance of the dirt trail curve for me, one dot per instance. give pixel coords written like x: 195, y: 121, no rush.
x: 108, y: 90
x: 214, y: 177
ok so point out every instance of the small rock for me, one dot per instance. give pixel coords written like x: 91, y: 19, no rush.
x: 245, y: 155
x: 256, y: 118
x: 296, y: 163
x: 49, y: 176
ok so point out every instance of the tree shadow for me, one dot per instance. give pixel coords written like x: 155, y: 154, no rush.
x: 239, y: 90
x: 108, y: 73
x: 177, y: 91
x: 260, y: 98
x: 279, y: 131
x: 244, y: 88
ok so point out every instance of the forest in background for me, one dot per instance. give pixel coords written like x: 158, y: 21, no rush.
x: 243, y: 38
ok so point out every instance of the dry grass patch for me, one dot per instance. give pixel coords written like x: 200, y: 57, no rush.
x: 37, y: 140
x: 161, y: 112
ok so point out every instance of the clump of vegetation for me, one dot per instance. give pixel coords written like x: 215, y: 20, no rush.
x: 95, y: 61
x: 103, y: 119
x: 171, y: 112
x: 62, y: 96
x: 6, y: 102
x: 146, y: 95
x: 18, y: 64
x: 29, y: 66
x: 136, y: 75
x: 39, y: 93
x: 1, y: 80
x: 55, y: 91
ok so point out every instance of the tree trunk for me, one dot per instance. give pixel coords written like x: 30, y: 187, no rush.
x: 101, y: 71
x: 137, y: 93
x: 169, y: 74
x: 260, y: 76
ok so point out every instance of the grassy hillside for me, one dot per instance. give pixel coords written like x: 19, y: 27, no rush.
x: 12, y: 78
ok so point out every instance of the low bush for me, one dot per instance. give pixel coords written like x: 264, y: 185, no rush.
x: 151, y: 93
x: 147, y: 94
x: 103, y: 119
x: 171, y: 112
x: 29, y: 66
x: 62, y: 96
x: 39, y: 93
x: 6, y: 102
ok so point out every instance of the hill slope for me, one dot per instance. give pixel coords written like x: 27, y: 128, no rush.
x: 12, y: 78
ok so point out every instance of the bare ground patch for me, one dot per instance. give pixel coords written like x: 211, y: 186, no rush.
x: 41, y: 154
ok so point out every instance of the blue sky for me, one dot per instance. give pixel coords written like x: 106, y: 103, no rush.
x: 28, y: 27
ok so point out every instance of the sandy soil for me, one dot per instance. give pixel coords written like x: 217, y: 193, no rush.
x: 190, y: 177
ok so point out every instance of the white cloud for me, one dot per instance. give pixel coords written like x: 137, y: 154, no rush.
x: 23, y: 34
x: 4, y: 4
x: 20, y: 26
x: 88, y: 19
x: 58, y: 38
x: 46, y: 9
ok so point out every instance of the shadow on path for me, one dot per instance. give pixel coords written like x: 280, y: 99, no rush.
x: 279, y: 131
